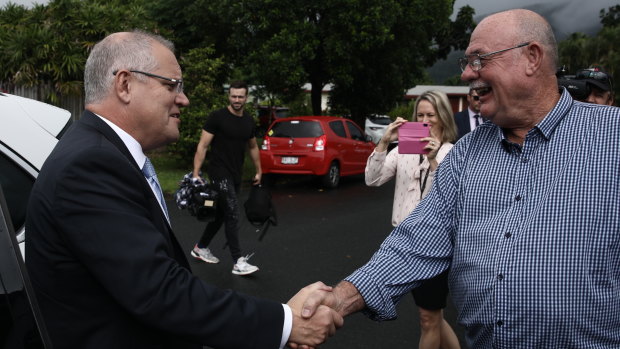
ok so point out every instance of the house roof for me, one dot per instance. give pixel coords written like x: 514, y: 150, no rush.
x: 415, y: 91
x: 449, y: 90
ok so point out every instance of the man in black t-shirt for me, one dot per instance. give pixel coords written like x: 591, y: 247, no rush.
x: 228, y: 131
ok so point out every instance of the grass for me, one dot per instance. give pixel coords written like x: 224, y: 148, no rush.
x: 170, y: 171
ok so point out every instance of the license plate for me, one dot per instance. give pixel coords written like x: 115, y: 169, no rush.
x: 289, y: 160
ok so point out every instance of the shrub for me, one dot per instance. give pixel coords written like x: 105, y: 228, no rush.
x: 199, y: 72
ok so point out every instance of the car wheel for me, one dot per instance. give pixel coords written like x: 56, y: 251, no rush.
x: 332, y: 178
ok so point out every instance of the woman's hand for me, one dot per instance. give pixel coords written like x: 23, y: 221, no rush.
x: 433, y: 146
x: 391, y: 134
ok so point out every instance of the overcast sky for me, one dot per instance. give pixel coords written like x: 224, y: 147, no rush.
x: 566, y: 16
x: 22, y: 2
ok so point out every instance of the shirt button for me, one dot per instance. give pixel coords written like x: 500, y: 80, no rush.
x: 524, y: 160
x: 500, y: 277
x: 507, y: 235
x: 499, y: 323
x: 518, y: 197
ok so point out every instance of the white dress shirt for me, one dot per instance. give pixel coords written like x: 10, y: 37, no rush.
x: 472, y: 119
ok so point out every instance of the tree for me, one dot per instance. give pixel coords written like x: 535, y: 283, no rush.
x: 49, y: 43
x: 194, y: 24
x: 610, y: 18
x: 372, y: 51
x: 455, y: 80
x: 378, y: 73
x: 200, y: 68
x: 580, y: 51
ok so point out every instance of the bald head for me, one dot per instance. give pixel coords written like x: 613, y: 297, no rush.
x: 522, y: 25
x: 514, y: 74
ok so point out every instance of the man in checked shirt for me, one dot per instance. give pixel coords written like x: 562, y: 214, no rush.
x: 524, y: 209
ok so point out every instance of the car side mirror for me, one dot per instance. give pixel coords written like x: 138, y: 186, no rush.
x: 368, y: 138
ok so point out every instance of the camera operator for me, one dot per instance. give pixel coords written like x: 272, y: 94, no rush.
x: 600, y: 85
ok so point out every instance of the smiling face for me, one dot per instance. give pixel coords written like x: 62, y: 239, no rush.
x: 599, y: 96
x: 498, y: 81
x: 156, y: 108
x: 237, y: 98
x: 426, y: 113
x: 516, y: 81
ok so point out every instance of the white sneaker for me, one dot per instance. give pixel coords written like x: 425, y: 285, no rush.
x: 204, y: 254
x: 242, y: 267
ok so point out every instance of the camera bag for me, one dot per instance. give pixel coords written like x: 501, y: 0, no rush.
x: 259, y: 209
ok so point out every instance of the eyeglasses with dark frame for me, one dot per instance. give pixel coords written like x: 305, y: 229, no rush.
x: 178, y: 83
x: 476, y: 62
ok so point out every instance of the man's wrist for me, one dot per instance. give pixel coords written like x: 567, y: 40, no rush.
x: 348, y: 298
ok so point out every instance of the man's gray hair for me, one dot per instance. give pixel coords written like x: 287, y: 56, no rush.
x: 131, y: 51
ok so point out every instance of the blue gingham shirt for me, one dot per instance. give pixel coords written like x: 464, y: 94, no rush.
x: 531, y: 234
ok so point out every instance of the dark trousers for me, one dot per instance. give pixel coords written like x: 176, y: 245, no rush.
x: 227, y: 213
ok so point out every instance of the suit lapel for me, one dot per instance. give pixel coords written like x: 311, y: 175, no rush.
x: 91, y: 120
x: 94, y: 121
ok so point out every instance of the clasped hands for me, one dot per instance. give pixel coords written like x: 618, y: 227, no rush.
x: 315, y: 316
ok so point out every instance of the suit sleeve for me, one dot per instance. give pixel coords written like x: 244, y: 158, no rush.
x: 107, y: 222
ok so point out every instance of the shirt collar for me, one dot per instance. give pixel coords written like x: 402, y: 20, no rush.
x: 131, y: 143
x: 548, y: 125
x: 551, y: 121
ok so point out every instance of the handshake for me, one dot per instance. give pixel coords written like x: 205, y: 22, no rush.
x: 318, y: 311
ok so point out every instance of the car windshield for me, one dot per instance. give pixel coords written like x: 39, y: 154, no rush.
x: 380, y: 121
x: 296, y: 129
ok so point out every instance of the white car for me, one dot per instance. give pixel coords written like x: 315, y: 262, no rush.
x: 29, y: 130
x: 376, y: 125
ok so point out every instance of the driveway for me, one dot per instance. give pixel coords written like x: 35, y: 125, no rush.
x: 321, y: 235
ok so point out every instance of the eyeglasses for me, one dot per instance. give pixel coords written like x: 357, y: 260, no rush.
x: 178, y: 83
x: 475, y: 60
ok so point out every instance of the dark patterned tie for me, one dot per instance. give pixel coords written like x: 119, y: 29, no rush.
x: 477, y: 117
x: 149, y: 172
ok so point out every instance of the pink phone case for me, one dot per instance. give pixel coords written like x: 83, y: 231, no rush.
x: 410, y: 135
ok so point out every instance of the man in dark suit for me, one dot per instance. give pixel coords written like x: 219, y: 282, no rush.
x: 104, y: 262
x: 467, y: 120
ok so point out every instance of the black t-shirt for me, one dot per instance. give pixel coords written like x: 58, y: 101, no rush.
x: 231, y: 134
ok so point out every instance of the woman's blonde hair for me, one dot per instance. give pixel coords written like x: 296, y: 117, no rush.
x: 440, y: 102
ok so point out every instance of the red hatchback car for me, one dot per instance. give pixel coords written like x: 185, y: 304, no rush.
x: 324, y: 146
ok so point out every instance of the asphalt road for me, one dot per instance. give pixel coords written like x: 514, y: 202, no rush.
x: 322, y: 235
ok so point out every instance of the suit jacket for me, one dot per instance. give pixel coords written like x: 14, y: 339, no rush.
x: 462, y: 123
x: 106, y: 267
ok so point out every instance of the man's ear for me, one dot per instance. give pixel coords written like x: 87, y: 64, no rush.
x: 122, y: 86
x: 535, y: 55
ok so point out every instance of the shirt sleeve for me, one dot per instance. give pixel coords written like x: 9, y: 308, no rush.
x: 380, y: 167
x: 211, y: 123
x: 417, y: 249
x: 287, y: 326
